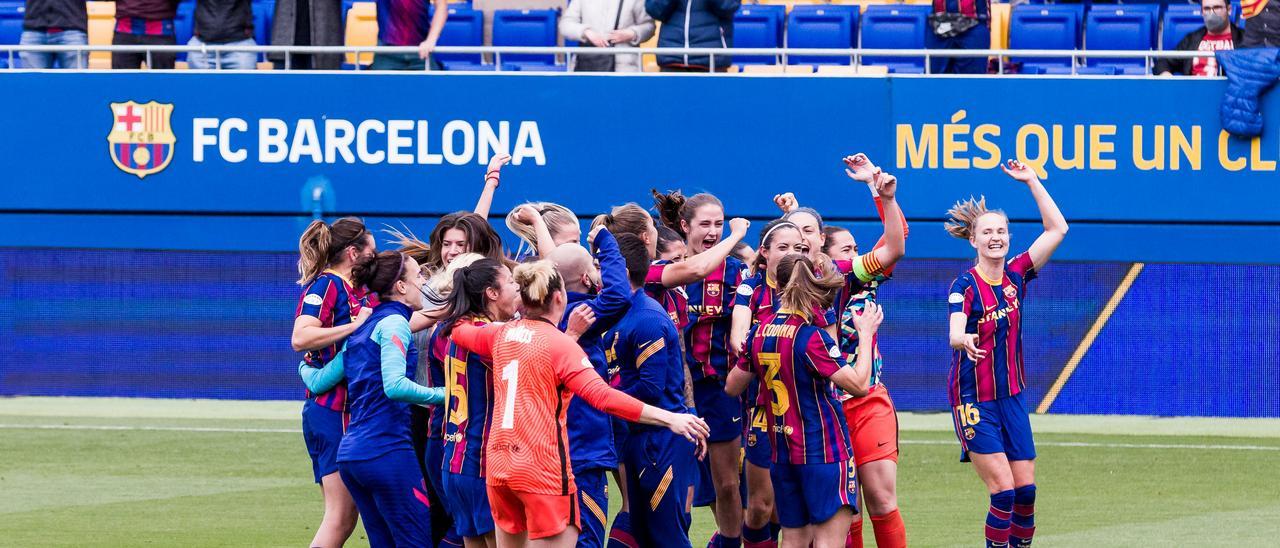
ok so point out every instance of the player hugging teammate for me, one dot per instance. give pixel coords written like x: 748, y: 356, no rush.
x: 441, y: 377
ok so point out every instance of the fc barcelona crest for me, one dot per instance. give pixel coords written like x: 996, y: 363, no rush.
x: 141, y: 138
x: 713, y: 289
x: 1010, y: 292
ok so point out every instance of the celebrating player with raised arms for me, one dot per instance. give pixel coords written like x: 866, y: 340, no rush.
x: 796, y: 363
x: 329, y: 310
x: 483, y: 292
x: 543, y: 226
x: 987, y: 379
x: 537, y: 370
x: 700, y: 219
x: 376, y: 457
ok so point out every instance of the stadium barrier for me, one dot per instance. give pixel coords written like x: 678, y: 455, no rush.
x: 495, y: 53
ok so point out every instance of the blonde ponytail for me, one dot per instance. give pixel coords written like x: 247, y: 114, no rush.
x: 803, y: 288
x: 538, y: 281
x: 313, y: 251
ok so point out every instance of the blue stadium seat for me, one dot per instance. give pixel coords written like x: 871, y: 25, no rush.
x: 824, y: 26
x: 532, y: 66
x: 758, y: 26
x: 1042, y: 27
x: 184, y: 23
x: 1120, y: 29
x: 464, y: 27
x: 895, y: 27
x: 1179, y: 21
x: 11, y: 14
x: 525, y: 28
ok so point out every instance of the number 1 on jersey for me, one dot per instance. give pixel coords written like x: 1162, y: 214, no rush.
x: 510, y: 374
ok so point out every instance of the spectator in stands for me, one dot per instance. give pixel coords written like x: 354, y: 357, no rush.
x: 1217, y: 34
x: 406, y: 23
x: 694, y: 24
x: 308, y: 23
x: 606, y: 23
x: 144, y: 23
x: 958, y: 24
x: 1263, y: 27
x: 54, y: 23
x: 223, y: 23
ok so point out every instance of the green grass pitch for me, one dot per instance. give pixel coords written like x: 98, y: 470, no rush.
x: 120, y: 472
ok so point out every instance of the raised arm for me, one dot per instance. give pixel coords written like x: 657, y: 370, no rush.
x: 701, y: 265
x: 544, y: 244
x: 1055, y: 225
x: 893, y: 244
x: 491, y: 179
x: 392, y: 336
x: 614, y: 298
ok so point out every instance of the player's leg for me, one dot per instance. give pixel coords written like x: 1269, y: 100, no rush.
x: 1022, y: 464
x: 983, y: 443
x: 793, y: 515
x: 873, y: 425
x: 395, y: 483
x: 593, y: 507
x: 375, y: 526
x: 504, y: 539
x: 553, y: 520
x: 660, y: 468
x: 830, y: 492
x: 724, y: 415
x: 441, y: 517
x: 322, y: 432
x: 620, y: 535
x: 509, y: 516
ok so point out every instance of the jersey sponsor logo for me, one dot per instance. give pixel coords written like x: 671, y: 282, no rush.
x: 996, y: 315
x: 313, y: 299
x: 955, y: 298
x: 784, y: 429
x: 141, y: 138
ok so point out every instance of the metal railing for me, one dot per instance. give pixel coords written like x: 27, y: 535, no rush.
x: 563, y: 53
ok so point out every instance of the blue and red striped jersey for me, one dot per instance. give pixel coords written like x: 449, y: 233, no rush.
x: 967, y: 8
x: 761, y: 295
x: 437, y: 352
x: 469, y: 398
x: 706, y: 338
x: 673, y: 299
x: 994, y: 309
x: 331, y: 299
x: 793, y: 360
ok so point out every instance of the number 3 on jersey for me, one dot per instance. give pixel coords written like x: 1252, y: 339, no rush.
x: 772, y: 362
x: 510, y: 375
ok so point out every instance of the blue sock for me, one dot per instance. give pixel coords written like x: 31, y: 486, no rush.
x: 620, y: 534
x: 998, y: 519
x: 729, y: 542
x: 1023, y: 525
x: 775, y: 531
x: 752, y: 537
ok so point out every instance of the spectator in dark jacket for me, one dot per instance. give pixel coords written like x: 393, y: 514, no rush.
x: 1217, y: 34
x: 223, y: 23
x: 694, y: 24
x: 54, y: 23
x: 144, y: 23
x: 308, y: 23
x: 1262, y: 29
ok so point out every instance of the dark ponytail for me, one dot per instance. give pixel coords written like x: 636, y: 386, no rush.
x: 469, y: 284
x: 674, y: 207
x: 320, y: 244
x: 380, y: 273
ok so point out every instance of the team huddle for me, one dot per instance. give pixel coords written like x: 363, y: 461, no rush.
x: 460, y: 397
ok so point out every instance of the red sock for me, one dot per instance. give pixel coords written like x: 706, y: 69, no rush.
x: 855, y: 534
x: 890, y: 531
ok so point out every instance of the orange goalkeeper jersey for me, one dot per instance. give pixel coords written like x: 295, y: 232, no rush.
x: 536, y: 371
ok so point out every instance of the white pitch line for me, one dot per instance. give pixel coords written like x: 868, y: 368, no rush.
x: 111, y: 427
x: 1119, y: 445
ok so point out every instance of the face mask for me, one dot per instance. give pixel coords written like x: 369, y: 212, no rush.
x: 1214, y: 22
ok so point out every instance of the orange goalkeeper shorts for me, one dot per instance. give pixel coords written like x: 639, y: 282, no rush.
x: 873, y: 426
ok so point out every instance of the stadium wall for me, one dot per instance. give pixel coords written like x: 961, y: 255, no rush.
x: 172, y: 277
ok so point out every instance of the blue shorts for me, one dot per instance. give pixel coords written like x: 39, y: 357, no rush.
x: 758, y: 446
x: 997, y: 426
x: 468, y: 500
x: 809, y: 494
x: 661, y: 468
x: 722, y: 412
x: 392, y: 498
x: 704, y: 489
x: 322, y: 430
x: 593, y: 507
x: 620, y: 430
